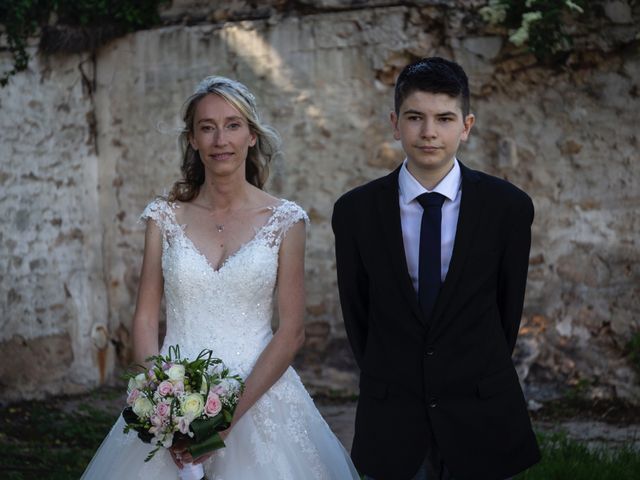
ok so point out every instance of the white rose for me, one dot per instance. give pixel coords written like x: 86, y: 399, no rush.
x: 143, y: 407
x: 137, y: 382
x: 176, y: 373
x: 141, y: 380
x: 192, y: 405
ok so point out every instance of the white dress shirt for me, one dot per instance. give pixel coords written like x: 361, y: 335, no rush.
x: 411, y: 217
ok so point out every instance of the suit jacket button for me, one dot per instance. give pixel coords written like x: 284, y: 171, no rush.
x: 430, y: 351
x: 433, y: 402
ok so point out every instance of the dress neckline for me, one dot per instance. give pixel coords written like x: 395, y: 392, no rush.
x: 224, y: 262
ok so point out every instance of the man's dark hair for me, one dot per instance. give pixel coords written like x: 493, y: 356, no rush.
x: 433, y: 75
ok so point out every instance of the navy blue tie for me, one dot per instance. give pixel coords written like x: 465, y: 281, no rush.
x: 429, y: 258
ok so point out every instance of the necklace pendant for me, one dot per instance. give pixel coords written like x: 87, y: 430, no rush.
x: 220, y: 228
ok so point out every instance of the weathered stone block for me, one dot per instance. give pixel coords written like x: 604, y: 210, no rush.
x: 33, y: 366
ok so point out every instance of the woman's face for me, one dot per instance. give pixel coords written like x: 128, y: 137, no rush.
x: 222, y: 137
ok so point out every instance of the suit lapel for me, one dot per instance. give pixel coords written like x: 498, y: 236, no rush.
x: 389, y: 207
x: 470, y: 209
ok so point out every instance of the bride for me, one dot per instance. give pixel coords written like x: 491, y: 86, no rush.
x: 220, y: 249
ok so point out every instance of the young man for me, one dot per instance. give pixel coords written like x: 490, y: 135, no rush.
x: 432, y: 265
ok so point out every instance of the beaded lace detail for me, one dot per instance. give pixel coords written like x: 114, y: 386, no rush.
x: 229, y: 309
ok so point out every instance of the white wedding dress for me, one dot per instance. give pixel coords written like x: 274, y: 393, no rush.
x: 229, y: 310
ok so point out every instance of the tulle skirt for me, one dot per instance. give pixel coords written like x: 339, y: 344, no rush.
x: 282, y: 437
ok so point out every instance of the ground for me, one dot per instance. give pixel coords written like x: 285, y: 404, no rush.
x: 56, y: 438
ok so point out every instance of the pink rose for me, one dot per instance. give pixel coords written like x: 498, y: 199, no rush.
x: 165, y: 388
x: 156, y: 421
x: 135, y: 393
x: 162, y: 410
x: 213, y: 405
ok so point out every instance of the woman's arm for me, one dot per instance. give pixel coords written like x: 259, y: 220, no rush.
x: 281, y: 350
x: 150, y: 288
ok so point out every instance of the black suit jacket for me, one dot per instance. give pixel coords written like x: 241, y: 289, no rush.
x: 452, y: 375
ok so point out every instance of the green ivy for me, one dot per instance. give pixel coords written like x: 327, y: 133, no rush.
x: 538, y: 24
x: 25, y: 18
x: 132, y: 15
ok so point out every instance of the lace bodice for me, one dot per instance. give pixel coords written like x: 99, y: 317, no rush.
x: 229, y: 309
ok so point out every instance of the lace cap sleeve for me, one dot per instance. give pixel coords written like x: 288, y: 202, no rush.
x: 284, y: 217
x: 292, y: 214
x: 159, y: 210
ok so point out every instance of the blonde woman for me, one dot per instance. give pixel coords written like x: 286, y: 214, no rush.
x: 219, y: 249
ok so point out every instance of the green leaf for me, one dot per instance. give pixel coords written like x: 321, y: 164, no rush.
x: 214, y: 442
x: 151, y: 454
x: 202, y: 428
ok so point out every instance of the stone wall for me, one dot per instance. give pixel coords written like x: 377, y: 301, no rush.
x: 87, y: 141
x: 52, y: 287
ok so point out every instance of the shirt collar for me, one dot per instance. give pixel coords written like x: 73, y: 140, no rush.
x: 410, y: 188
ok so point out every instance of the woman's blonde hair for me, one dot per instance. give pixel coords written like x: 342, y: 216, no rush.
x: 266, y: 148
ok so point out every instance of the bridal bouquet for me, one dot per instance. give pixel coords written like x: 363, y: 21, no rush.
x: 178, y: 399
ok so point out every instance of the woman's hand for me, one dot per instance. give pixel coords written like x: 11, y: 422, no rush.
x: 179, y: 453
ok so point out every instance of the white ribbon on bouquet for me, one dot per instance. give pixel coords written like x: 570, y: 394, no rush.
x: 189, y: 471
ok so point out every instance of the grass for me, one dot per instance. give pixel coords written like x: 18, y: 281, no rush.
x: 56, y: 439
x: 39, y: 440
x: 564, y: 459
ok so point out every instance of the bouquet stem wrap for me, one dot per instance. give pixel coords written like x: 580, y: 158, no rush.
x: 191, y: 472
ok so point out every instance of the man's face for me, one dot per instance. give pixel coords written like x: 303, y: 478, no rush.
x: 430, y: 127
